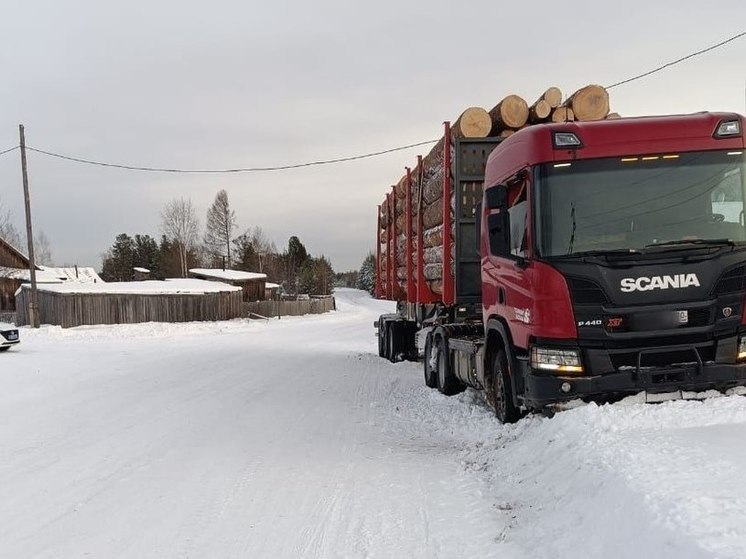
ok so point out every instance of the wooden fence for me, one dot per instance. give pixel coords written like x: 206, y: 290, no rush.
x: 76, y: 309
x: 289, y: 308
x: 8, y: 317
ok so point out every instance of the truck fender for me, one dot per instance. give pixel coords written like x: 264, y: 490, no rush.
x: 496, y: 328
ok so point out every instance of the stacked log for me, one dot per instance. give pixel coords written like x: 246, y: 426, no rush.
x: 507, y: 117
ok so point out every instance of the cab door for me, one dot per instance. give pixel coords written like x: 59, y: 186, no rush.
x: 506, y: 255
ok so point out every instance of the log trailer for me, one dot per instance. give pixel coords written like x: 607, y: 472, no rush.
x: 601, y: 259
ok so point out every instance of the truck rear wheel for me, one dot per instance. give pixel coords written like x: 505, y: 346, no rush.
x: 448, y: 384
x: 429, y: 359
x: 505, y: 409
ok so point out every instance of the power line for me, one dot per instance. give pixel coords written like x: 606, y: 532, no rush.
x: 682, y: 59
x: 225, y: 171
x: 336, y: 160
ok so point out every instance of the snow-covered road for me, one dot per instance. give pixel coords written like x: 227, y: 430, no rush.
x: 291, y: 438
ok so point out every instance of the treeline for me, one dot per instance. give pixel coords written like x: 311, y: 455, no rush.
x: 364, y: 278
x: 183, y: 245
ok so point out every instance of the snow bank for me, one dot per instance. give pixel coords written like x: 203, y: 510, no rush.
x: 624, y: 480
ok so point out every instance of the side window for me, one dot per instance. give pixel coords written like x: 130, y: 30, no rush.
x: 518, y: 228
x: 518, y: 211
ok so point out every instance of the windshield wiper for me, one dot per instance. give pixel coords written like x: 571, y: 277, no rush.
x: 600, y: 252
x: 696, y: 242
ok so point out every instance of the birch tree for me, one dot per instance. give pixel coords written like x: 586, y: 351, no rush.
x: 179, y: 223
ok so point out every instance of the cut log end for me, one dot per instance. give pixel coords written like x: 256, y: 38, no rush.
x: 474, y: 122
x: 563, y: 114
x: 511, y: 112
x: 553, y: 96
x: 590, y: 103
x: 539, y: 111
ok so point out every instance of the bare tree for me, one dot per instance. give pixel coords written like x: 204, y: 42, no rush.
x: 180, y: 224
x: 42, y: 250
x: 221, y: 222
x: 8, y: 232
x: 262, y: 245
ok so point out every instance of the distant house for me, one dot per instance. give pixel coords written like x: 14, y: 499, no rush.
x: 141, y: 274
x: 11, y: 257
x: 12, y: 263
x: 271, y: 291
x: 252, y: 284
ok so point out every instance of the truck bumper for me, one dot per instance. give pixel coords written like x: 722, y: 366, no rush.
x: 543, y: 389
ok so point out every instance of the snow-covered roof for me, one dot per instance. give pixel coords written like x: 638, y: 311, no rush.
x: 79, y: 275
x: 228, y: 275
x: 270, y: 285
x: 149, y: 287
x: 141, y: 270
x: 22, y: 274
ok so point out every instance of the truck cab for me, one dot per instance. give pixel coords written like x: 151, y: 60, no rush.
x: 613, y: 260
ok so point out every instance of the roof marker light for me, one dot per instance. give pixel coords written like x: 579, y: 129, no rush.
x: 556, y: 165
x: 735, y: 153
x: 728, y: 128
x: 650, y: 158
x: 628, y: 159
x: 671, y: 156
x: 566, y: 140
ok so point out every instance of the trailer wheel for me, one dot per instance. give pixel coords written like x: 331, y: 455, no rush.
x: 448, y: 384
x: 393, y: 346
x: 504, y: 407
x: 429, y: 362
x: 381, y: 340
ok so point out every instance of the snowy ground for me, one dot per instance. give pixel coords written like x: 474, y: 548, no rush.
x: 291, y: 438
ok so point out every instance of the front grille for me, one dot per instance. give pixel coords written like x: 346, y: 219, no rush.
x: 699, y: 317
x: 664, y: 359
x: 731, y: 281
x: 586, y: 292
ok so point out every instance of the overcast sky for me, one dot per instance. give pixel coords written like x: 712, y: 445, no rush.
x: 242, y: 84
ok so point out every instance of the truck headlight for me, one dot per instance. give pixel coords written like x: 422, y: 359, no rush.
x: 742, y: 349
x: 556, y: 360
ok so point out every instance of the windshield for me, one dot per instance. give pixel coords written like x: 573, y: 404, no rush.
x: 632, y: 202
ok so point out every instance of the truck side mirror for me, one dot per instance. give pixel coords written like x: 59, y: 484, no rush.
x: 498, y: 226
x: 496, y: 197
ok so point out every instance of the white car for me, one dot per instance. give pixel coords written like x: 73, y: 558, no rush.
x: 8, y: 336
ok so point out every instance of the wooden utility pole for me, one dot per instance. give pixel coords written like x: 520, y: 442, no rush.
x: 33, y: 310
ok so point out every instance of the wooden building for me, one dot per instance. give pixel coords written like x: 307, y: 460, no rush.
x: 252, y: 284
x: 141, y: 274
x: 12, y: 265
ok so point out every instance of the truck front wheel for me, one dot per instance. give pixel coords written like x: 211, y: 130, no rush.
x: 505, y: 409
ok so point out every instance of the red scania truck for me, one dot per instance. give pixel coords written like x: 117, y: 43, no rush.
x: 586, y: 260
